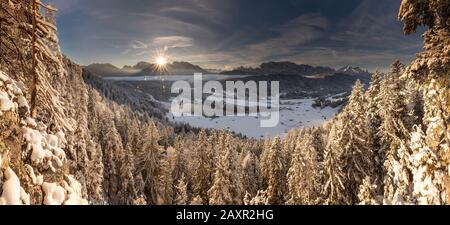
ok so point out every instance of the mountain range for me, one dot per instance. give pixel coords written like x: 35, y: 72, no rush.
x: 186, y: 68
x: 144, y: 69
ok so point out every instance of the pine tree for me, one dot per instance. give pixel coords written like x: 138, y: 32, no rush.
x: 394, y: 133
x: 373, y: 123
x: 368, y: 193
x: 177, y: 159
x: 351, y: 139
x: 127, y: 193
x: 430, y: 70
x: 164, y: 181
x: 227, y: 186
x: 425, y: 170
x: 112, y: 147
x: 181, y: 197
x: 251, y: 174
x: 201, y: 177
x: 94, y: 174
x: 276, y: 180
x: 147, y: 162
x: 297, y: 175
x: 334, y: 190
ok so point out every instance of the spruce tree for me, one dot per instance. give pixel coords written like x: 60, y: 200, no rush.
x: 431, y: 70
x: 425, y: 169
x: 351, y: 139
x: 227, y: 187
x: 276, y: 180
x: 201, y: 177
x: 373, y: 123
x: 147, y: 162
x: 181, y: 196
x: 394, y: 132
x: 334, y: 191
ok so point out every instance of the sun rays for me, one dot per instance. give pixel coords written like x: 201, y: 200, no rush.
x: 160, y: 61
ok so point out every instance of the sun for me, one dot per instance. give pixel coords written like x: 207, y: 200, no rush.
x: 161, y: 61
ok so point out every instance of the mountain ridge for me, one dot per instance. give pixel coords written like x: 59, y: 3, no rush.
x: 185, y: 68
x: 144, y: 69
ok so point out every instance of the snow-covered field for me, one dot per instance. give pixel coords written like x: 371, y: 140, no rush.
x: 189, y: 78
x: 293, y: 114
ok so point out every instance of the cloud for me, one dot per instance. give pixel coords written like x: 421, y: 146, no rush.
x: 172, y: 42
x: 138, y: 45
x: 217, y: 33
x: 297, y: 32
x: 157, y: 44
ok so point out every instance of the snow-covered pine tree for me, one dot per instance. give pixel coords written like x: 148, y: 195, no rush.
x: 178, y: 161
x: 425, y: 169
x: 211, y: 150
x: 164, y: 181
x: 394, y: 132
x: 368, y: 193
x: 305, y: 175
x: 29, y: 40
x: 181, y: 196
x: 276, y: 179
x: 251, y: 175
x: 112, y: 147
x: 333, y: 190
x: 127, y: 192
x: 147, y: 162
x: 297, y: 174
x: 201, y: 176
x: 227, y: 187
x: 373, y: 123
x: 356, y: 157
x: 315, y: 155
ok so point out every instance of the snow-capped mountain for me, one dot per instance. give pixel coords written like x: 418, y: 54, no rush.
x: 281, y: 68
x: 352, y: 70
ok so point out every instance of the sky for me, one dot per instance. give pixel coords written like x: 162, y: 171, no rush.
x: 224, y: 34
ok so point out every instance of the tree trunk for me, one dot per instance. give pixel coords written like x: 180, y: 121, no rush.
x: 33, y: 70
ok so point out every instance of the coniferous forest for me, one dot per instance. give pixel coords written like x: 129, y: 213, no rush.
x: 70, y: 137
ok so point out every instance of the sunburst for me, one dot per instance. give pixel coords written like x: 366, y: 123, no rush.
x: 160, y: 61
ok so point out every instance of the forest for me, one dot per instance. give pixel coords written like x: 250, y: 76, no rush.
x: 68, y: 137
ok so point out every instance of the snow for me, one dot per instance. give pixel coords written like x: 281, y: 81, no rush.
x: 189, y: 78
x: 53, y: 143
x: 74, y: 196
x: 34, y: 139
x: 54, y: 194
x: 44, y: 145
x: 5, y: 103
x: 14, y: 89
x: 36, y: 180
x: 31, y: 122
x: 3, y: 77
x: 13, y: 194
x: 22, y: 101
x: 295, y: 113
